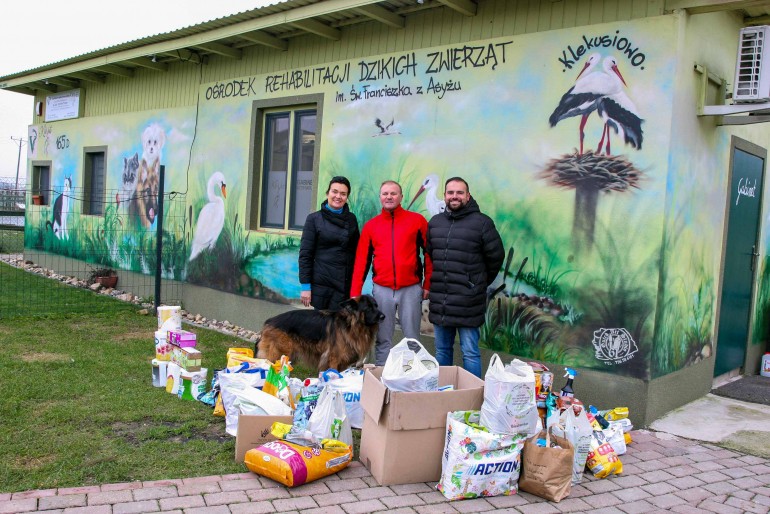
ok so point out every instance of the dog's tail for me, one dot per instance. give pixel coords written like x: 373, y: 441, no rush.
x: 256, y: 343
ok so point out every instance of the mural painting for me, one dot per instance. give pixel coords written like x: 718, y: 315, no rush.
x: 563, y: 137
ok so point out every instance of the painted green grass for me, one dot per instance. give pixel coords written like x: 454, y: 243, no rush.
x: 78, y: 404
x: 761, y: 333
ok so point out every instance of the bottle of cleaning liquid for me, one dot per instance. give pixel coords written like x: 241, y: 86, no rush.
x: 567, y: 393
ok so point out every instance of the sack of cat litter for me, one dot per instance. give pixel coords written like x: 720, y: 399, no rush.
x: 477, y: 462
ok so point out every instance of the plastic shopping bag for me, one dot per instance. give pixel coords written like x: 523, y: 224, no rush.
x: 307, y: 402
x: 251, y: 400
x: 478, y: 463
x: 349, y: 383
x: 577, y: 430
x: 509, y: 398
x: 410, y: 367
x: 256, y: 369
x: 229, y: 383
x: 330, y: 419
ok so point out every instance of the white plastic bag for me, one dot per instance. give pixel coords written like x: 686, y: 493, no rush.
x: 410, y: 367
x: 577, y: 430
x: 330, y: 419
x: 229, y: 383
x: 615, y: 437
x: 477, y: 463
x: 349, y: 383
x: 509, y: 398
x: 251, y: 400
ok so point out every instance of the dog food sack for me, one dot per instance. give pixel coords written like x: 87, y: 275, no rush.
x: 292, y: 464
x: 410, y: 367
x: 478, y: 463
x: 602, y: 459
x: 509, y: 398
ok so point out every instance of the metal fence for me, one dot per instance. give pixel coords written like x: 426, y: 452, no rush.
x: 57, y: 246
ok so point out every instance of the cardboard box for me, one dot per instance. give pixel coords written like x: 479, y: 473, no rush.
x: 182, y: 338
x: 403, y: 435
x: 255, y: 430
x: 187, y: 358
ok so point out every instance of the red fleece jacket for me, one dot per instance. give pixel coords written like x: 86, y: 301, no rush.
x: 391, y: 243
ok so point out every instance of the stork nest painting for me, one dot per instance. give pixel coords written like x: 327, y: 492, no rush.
x: 600, y: 172
x: 589, y: 174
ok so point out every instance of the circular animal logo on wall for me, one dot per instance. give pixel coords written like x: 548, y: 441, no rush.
x: 614, y: 345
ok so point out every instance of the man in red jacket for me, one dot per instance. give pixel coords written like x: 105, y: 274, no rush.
x: 392, y: 243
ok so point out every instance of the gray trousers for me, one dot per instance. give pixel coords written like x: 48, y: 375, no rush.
x: 408, y: 302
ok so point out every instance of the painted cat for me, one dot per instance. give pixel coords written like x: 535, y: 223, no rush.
x: 128, y: 179
x: 61, y: 210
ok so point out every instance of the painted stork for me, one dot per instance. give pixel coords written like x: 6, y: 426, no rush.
x: 432, y: 201
x: 618, y: 112
x: 581, y: 99
x: 211, y: 218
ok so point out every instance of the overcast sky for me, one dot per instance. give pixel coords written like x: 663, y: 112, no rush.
x: 46, y: 31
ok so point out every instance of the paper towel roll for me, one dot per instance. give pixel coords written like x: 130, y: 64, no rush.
x: 169, y: 317
x: 192, y: 384
x: 173, y: 375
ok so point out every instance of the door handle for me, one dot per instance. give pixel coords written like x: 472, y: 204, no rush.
x: 754, y: 256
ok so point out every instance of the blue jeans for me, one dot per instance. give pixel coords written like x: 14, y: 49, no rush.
x: 469, y: 344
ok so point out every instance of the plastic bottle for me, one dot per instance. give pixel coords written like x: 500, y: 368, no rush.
x: 764, y: 370
x: 567, y: 389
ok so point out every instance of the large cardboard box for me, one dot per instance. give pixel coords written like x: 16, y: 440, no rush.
x: 403, y: 435
x: 255, y: 430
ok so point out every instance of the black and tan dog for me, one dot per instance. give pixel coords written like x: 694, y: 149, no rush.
x: 323, y: 339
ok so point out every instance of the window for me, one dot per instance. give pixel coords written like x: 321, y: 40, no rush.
x: 41, y: 182
x: 285, y: 165
x: 93, y: 182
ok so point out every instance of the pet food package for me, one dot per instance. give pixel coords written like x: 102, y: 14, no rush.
x: 602, y: 459
x: 546, y: 471
x: 307, y: 402
x: 577, y: 430
x: 349, y: 383
x: 509, y: 398
x: 292, y: 464
x: 192, y: 384
x: 169, y: 317
x: 410, y: 367
x: 476, y: 462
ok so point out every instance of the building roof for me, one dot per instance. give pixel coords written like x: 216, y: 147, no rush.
x: 273, y: 26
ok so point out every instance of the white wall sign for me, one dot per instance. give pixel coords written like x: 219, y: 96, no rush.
x: 62, y: 106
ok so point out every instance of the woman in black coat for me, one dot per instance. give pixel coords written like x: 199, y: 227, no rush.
x: 328, y: 249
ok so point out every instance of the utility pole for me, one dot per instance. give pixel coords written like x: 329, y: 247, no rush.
x: 18, y: 160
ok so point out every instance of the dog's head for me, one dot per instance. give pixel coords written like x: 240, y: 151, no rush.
x: 367, y: 306
x: 148, y: 193
x: 153, y: 139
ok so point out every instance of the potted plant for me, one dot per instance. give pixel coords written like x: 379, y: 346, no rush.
x: 107, y: 277
x: 37, y: 199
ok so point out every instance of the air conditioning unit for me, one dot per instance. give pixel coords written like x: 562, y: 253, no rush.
x: 752, y: 68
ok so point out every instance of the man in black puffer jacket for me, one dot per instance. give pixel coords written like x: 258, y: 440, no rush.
x: 467, y: 253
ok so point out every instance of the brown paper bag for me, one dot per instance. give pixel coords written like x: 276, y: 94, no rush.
x: 547, y: 472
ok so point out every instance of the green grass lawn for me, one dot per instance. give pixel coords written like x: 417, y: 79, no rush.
x: 11, y: 241
x: 77, y: 405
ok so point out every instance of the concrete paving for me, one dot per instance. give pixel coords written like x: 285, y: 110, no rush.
x: 679, y: 465
x: 661, y: 473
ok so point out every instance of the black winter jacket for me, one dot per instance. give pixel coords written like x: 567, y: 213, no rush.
x: 467, y: 253
x: 327, y: 253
